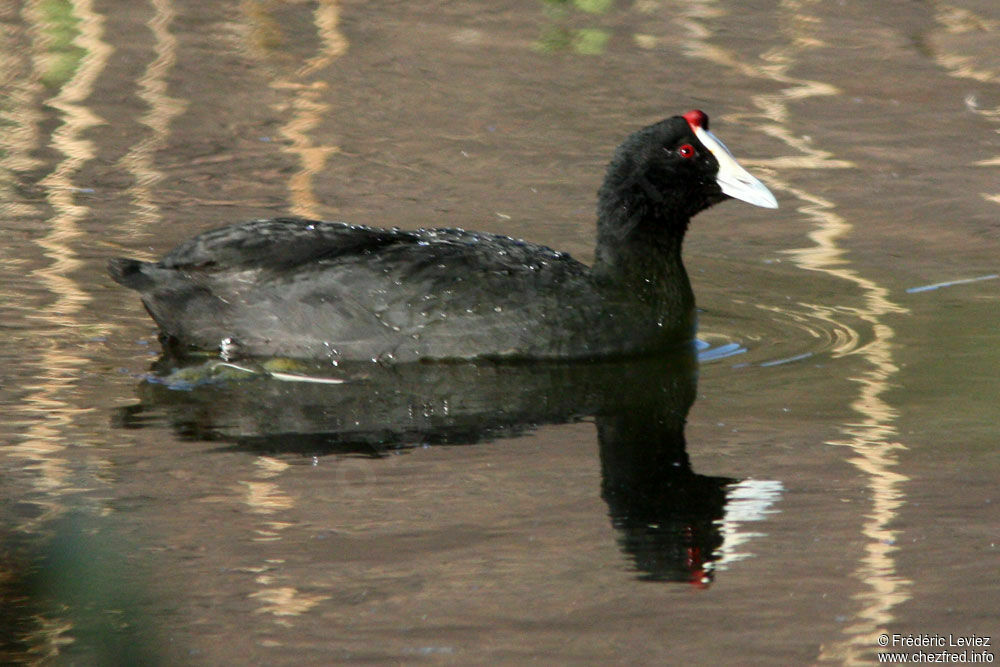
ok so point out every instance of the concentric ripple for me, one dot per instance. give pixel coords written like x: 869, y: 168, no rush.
x: 762, y: 334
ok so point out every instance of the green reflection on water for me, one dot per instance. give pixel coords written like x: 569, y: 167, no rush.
x: 60, y: 28
x: 589, y: 6
x: 585, y: 41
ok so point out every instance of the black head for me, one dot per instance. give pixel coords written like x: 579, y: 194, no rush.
x: 667, y: 172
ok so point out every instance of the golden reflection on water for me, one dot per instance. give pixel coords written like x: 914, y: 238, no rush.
x: 306, y: 106
x: 265, y: 498
x: 872, y: 440
x: 67, y: 54
x: 58, y: 366
x: 163, y: 108
x: 963, y: 22
x: 960, y: 21
x: 285, y: 601
x: 20, y: 119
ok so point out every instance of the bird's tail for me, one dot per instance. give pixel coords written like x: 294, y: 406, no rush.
x: 132, y: 273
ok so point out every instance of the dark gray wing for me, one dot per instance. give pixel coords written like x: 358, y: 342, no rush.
x: 279, y: 244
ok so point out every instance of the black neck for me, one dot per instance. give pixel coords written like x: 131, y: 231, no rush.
x: 639, y: 252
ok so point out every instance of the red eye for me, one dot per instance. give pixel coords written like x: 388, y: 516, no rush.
x: 686, y: 151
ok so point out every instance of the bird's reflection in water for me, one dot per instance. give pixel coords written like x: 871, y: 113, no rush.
x: 673, y: 523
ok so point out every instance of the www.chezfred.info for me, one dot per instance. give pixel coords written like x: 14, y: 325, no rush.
x: 926, y: 648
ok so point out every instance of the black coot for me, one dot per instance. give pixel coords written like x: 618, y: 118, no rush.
x: 300, y: 288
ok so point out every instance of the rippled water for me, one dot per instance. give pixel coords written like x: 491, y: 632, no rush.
x: 834, y: 478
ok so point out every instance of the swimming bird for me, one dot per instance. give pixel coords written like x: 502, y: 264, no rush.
x: 290, y: 287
